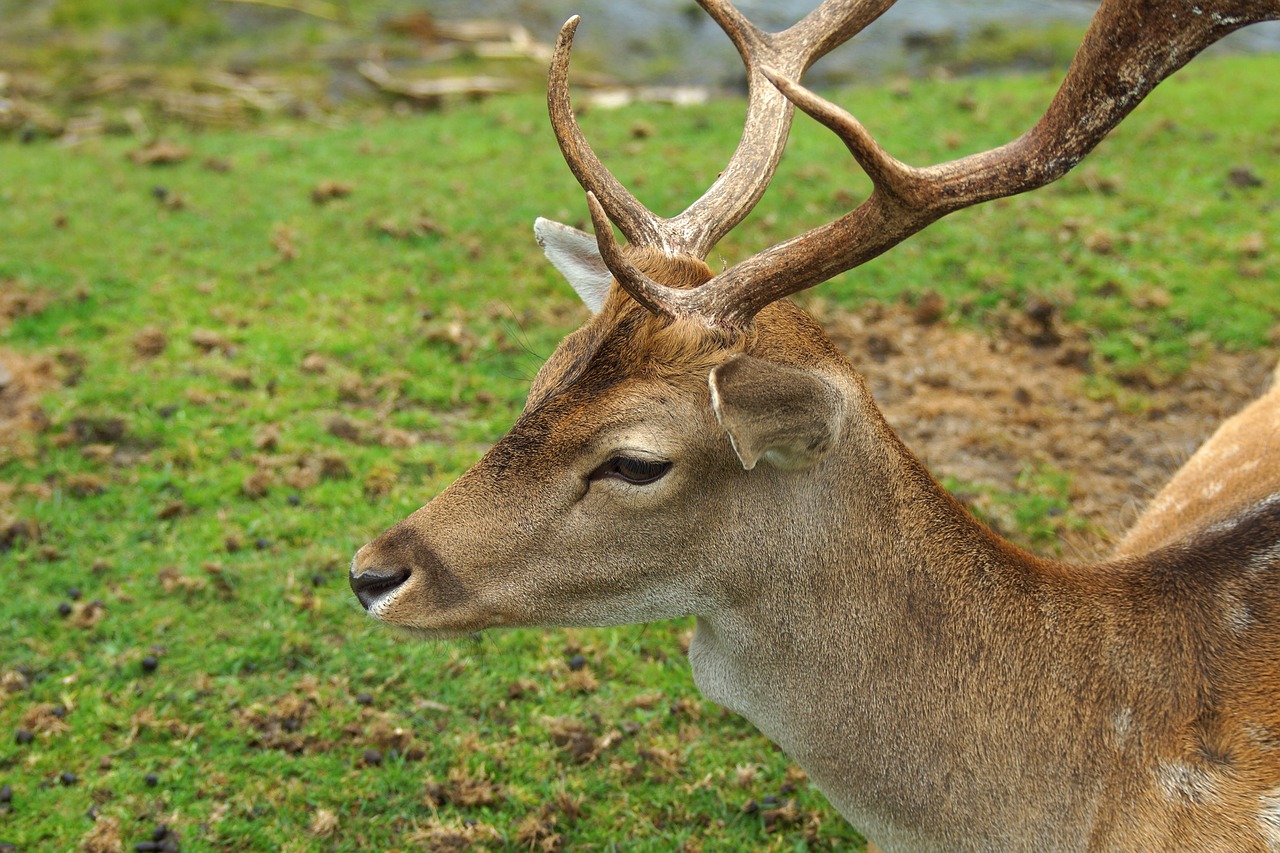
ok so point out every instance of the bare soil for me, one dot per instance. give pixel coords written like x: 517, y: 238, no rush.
x: 985, y: 409
x: 23, y: 378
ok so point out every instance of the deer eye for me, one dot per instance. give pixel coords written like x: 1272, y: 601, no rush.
x: 638, y: 472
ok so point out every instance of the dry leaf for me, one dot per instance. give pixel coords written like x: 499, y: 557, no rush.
x: 159, y: 153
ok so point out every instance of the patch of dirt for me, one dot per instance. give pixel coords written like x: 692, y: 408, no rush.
x: 572, y: 737
x: 23, y: 378
x: 18, y: 301
x: 103, y: 837
x: 985, y: 409
x: 279, y: 725
x: 46, y: 719
x: 436, y: 836
x: 464, y: 790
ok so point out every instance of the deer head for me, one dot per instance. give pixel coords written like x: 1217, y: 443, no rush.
x: 700, y: 447
x: 574, y: 519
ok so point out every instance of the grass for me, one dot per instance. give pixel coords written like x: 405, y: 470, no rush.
x: 314, y: 371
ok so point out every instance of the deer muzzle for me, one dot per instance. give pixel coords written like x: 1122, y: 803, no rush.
x: 399, y: 579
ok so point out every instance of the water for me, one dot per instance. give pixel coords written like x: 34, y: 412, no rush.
x: 673, y: 41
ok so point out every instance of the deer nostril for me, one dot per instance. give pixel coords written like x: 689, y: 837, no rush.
x: 372, y: 584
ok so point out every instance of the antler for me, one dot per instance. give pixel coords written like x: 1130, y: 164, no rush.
x: 1130, y: 47
x: 768, y: 122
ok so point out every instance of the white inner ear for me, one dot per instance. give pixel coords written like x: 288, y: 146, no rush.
x: 717, y: 406
x: 575, y: 254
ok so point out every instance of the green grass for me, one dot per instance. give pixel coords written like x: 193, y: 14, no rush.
x: 216, y: 529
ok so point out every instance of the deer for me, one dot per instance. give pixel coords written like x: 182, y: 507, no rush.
x: 700, y: 448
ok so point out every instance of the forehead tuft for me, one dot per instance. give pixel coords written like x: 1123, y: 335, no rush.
x: 679, y: 271
x: 626, y: 341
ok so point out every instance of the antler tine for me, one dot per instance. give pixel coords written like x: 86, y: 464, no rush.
x: 887, y: 174
x: 832, y: 24
x: 753, y: 164
x: 658, y: 298
x: 638, y: 224
x: 1131, y: 46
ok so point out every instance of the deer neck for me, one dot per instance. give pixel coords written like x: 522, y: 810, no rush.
x: 883, y: 653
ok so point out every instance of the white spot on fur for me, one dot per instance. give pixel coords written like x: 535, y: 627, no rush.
x: 1181, y: 781
x: 1241, y: 517
x: 1238, y: 617
x: 1262, y: 738
x: 1264, y: 560
x: 1123, y: 723
x: 1212, y: 488
x: 1246, y: 467
x: 1269, y: 820
x: 1232, y: 21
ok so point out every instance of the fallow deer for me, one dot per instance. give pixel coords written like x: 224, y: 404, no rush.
x: 701, y: 448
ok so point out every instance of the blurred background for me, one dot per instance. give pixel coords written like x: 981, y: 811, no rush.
x: 85, y: 66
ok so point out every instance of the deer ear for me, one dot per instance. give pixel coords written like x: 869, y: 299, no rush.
x: 785, y: 415
x: 577, y: 256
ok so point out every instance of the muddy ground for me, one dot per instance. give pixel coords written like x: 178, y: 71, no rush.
x: 985, y: 409
x: 24, y: 378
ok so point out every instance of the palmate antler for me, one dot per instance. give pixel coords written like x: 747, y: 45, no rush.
x: 1130, y: 47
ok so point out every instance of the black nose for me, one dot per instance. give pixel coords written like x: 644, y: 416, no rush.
x: 372, y: 584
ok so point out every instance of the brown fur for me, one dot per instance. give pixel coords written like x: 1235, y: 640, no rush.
x: 943, y: 688
x: 624, y: 336
x: 1236, y: 468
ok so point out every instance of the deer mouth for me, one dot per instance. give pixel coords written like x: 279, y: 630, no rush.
x: 405, y: 612
x: 373, y: 585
